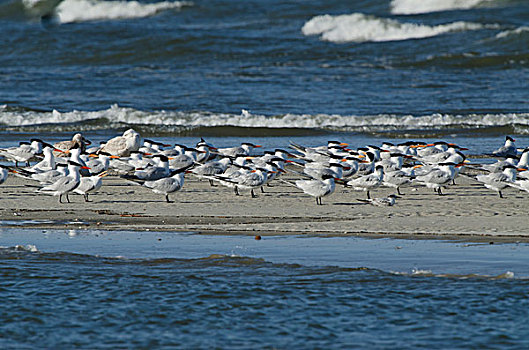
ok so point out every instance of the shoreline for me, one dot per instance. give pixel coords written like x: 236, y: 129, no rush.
x: 466, y: 211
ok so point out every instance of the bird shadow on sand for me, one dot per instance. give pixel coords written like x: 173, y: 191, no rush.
x: 131, y: 201
x: 348, y: 203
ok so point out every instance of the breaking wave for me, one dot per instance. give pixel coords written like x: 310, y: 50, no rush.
x: 408, y: 7
x: 520, y: 31
x: 92, y: 10
x: 358, y: 27
x: 175, y: 121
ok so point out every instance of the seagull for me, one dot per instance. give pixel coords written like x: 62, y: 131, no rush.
x: 67, y: 145
x: 507, y: 149
x: 315, y: 188
x: 65, y: 184
x: 368, y: 182
x: 121, y: 146
x: 388, y: 201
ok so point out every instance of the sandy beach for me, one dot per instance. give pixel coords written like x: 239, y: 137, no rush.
x: 466, y: 211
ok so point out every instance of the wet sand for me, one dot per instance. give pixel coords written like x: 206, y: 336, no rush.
x: 467, y: 211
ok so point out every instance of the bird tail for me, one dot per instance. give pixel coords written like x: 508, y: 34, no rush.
x: 297, y: 147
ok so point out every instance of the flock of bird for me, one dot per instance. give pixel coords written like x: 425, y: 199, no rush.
x: 73, y: 167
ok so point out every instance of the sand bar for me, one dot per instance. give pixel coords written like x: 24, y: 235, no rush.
x: 467, y: 211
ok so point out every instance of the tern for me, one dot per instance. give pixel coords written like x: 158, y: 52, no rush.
x: 522, y: 185
x: 253, y: 179
x: 173, y: 183
x: 90, y: 184
x: 46, y: 177
x: 99, y: 162
x: 397, y: 179
x: 315, y: 188
x: 319, y: 153
x: 152, y: 147
x: 65, y: 184
x: 507, y: 149
x: 499, y: 181
x: 24, y: 152
x: 368, y: 182
x: 215, y: 167
x: 4, y: 172
x: 243, y: 150
x: 388, y: 201
x: 48, y: 163
x: 152, y: 173
x: 317, y: 170
x: 438, y: 177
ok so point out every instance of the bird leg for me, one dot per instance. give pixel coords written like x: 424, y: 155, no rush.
x: 236, y: 191
x: 67, y: 198
x: 262, y: 190
x: 86, y: 198
x: 368, y: 197
x: 501, y: 195
x: 167, y: 199
x: 253, y: 194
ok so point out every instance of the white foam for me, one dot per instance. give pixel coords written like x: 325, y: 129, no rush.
x: 358, y: 27
x: 92, y: 10
x: 408, y: 7
x: 419, y: 272
x: 382, y: 122
x: 513, y: 32
x: 26, y: 248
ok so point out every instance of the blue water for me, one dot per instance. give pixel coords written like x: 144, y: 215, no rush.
x: 98, y: 289
x: 369, y: 67
x: 267, y: 72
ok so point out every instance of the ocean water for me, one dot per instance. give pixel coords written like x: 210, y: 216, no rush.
x: 98, y: 289
x: 269, y: 72
x: 372, y: 69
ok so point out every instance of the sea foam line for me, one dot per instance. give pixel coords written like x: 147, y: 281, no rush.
x: 358, y: 27
x: 408, y: 7
x: 92, y: 10
x: 119, y: 115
